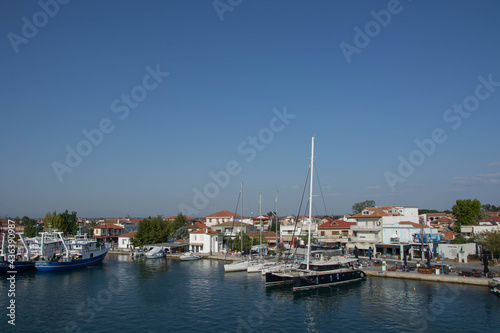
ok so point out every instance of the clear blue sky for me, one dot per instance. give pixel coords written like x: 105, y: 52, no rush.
x: 225, y: 79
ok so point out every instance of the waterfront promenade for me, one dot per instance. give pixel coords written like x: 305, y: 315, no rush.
x: 376, y: 271
x: 451, y: 277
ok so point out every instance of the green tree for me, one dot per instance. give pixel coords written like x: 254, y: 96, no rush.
x: 460, y: 239
x: 180, y: 221
x: 152, y: 231
x: 181, y: 233
x: 359, y: 206
x: 427, y: 211
x: 31, y: 227
x: 491, y: 241
x: 466, y: 212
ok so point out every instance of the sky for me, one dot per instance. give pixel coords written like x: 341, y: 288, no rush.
x: 141, y: 108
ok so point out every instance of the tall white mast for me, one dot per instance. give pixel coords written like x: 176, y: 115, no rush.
x: 310, y: 203
x: 260, y: 226
x: 241, y: 220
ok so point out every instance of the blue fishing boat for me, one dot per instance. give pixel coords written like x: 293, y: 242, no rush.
x: 58, y: 254
x: 16, y: 259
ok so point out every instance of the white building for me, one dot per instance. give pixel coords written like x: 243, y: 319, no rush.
x: 221, y: 217
x: 371, y: 222
x: 205, y: 241
x: 124, y: 240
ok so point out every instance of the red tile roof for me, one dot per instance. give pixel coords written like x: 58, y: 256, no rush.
x: 413, y: 224
x: 376, y: 212
x: 205, y: 231
x: 196, y: 225
x: 129, y: 234
x: 492, y: 218
x: 173, y: 217
x: 341, y: 224
x: 223, y: 213
x: 108, y: 226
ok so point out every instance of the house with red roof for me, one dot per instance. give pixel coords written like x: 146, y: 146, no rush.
x: 205, y: 241
x: 370, y: 222
x: 124, y: 240
x: 221, y: 217
x: 173, y: 217
x: 231, y: 229
x: 335, y: 232
x: 196, y: 226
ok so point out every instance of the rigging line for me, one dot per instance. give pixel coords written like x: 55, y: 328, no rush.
x: 298, y: 214
x: 236, y: 212
x: 321, y: 190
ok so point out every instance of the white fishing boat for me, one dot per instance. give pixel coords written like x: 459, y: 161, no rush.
x: 52, y: 252
x: 155, y: 253
x: 190, y: 256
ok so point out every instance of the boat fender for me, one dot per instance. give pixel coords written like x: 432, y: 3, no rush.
x: 331, y: 278
x: 338, y: 276
x: 317, y: 280
x: 362, y: 275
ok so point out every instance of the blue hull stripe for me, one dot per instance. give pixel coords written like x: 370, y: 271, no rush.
x: 46, y: 266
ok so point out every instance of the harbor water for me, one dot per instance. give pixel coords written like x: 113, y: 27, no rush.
x: 160, y: 295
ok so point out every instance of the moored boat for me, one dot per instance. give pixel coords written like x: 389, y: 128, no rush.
x: 326, y: 271
x: 237, y: 266
x: 190, y: 256
x: 155, y: 253
x: 16, y: 259
x: 495, y: 286
x: 58, y: 254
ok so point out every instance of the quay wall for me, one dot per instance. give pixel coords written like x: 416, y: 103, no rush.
x: 431, y: 277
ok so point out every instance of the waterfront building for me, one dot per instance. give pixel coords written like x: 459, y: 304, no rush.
x: 231, y: 229
x: 205, y: 241
x: 221, y: 217
x: 367, y: 233
x: 438, y: 220
x: 266, y: 221
x: 335, y: 232
x: 267, y: 236
x: 124, y: 240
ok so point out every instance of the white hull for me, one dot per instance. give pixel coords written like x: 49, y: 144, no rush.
x: 236, y: 266
x: 190, y: 256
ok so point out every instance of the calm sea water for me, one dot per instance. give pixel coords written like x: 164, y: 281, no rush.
x: 163, y: 295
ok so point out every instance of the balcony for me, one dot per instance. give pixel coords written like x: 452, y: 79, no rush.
x: 365, y: 240
x: 366, y: 228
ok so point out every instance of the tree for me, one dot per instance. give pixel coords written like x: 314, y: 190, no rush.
x: 466, y: 212
x: 65, y: 222
x: 491, y: 241
x: 427, y: 211
x: 31, y: 227
x: 181, y: 233
x: 180, y: 221
x: 359, y: 206
x: 152, y: 231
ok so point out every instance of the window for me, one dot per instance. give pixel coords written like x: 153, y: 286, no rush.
x: 322, y: 233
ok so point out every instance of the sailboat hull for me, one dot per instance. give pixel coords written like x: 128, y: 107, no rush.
x: 327, y: 279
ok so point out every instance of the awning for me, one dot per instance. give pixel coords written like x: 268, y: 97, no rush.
x: 197, y: 244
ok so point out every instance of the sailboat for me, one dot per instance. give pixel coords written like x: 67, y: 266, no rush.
x: 240, y: 265
x: 327, y: 271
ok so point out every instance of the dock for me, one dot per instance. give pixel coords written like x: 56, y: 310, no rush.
x: 430, y: 277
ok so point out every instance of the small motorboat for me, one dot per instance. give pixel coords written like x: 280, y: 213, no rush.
x: 190, y: 256
x: 496, y: 286
x: 155, y: 253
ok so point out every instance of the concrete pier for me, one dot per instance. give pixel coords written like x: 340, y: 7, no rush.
x: 429, y: 277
